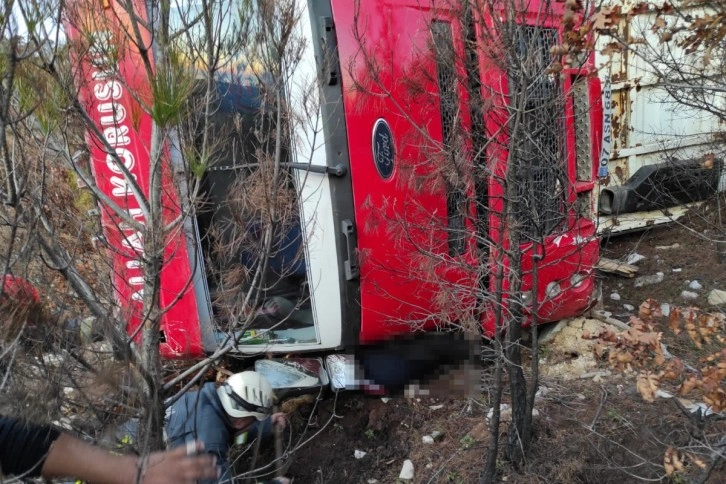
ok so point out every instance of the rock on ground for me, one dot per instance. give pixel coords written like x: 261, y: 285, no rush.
x: 695, y: 285
x: 569, y: 341
x: 634, y: 258
x: 406, y: 471
x: 717, y: 297
x: 656, y: 278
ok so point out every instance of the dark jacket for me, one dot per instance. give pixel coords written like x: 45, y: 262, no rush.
x: 24, y: 447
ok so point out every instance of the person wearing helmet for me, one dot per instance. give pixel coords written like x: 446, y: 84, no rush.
x: 213, y: 415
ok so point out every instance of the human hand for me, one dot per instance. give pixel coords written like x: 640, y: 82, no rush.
x: 279, y: 420
x: 185, y: 464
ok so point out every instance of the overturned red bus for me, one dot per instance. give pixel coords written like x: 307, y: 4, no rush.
x: 356, y: 283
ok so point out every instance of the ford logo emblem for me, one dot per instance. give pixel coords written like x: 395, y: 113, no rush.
x: 384, y: 151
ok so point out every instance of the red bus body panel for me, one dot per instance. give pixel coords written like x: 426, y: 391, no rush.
x: 408, y: 280
x: 109, y: 101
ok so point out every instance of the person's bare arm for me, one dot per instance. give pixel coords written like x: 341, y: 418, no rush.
x: 70, y: 456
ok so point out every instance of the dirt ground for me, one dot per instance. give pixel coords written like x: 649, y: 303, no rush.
x: 681, y: 251
x: 595, y: 428
x: 592, y: 427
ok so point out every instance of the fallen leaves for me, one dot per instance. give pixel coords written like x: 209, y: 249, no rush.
x: 630, y: 349
x: 675, y: 462
x: 647, y: 385
x: 672, y: 462
x: 702, y: 328
x: 640, y: 349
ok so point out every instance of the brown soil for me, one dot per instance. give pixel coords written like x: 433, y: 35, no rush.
x: 595, y: 430
x: 586, y: 432
x: 696, y: 256
x: 589, y: 430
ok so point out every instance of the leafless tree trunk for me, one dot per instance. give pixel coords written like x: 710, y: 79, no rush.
x: 529, y: 116
x: 188, y: 51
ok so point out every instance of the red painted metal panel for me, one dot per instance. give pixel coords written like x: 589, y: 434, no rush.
x: 384, y: 47
x: 112, y: 84
x: 565, y: 253
x: 402, y: 239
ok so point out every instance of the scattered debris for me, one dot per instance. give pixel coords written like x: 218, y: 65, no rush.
x: 542, y: 391
x: 406, y: 471
x: 717, y: 297
x: 505, y: 414
x: 689, y: 295
x: 634, y: 258
x: 596, y: 374
x: 52, y: 360
x: 570, y: 341
x: 689, y: 405
x: 665, y: 308
x: 615, y: 267
x: 436, y: 407
x: 656, y: 278
x: 359, y: 454
x: 666, y: 247
x: 385, y: 399
x: 437, y: 435
x: 606, y: 317
x: 427, y: 439
x: 695, y: 285
x: 629, y: 307
x: 615, y: 296
x: 548, y: 332
x: 480, y: 432
x: 677, y: 269
x: 64, y: 423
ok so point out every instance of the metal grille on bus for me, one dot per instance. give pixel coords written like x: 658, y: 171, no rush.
x: 581, y: 103
x: 541, y: 175
x: 449, y: 105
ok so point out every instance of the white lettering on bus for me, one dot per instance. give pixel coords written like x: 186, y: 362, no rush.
x: 134, y: 240
x: 136, y: 281
x: 120, y: 186
x: 118, y: 113
x: 117, y: 135
x: 126, y: 157
x: 109, y: 92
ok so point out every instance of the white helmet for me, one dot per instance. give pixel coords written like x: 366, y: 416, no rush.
x: 246, y: 394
